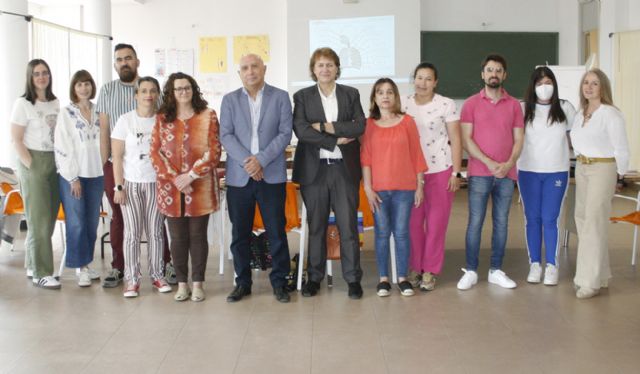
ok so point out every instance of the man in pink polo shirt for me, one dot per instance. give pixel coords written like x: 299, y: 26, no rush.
x: 492, y: 134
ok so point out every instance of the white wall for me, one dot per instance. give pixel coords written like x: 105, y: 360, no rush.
x: 560, y: 16
x: 171, y: 24
x: 407, y: 35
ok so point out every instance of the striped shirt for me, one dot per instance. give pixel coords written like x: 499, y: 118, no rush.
x: 116, y: 99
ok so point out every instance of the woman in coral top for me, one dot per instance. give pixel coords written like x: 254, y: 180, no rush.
x: 185, y: 150
x: 392, y: 169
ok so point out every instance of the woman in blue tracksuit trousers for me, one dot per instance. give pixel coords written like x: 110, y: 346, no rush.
x: 543, y: 170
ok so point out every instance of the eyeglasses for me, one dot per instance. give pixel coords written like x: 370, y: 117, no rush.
x: 41, y: 74
x: 182, y: 89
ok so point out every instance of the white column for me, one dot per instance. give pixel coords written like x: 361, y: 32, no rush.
x: 14, y: 55
x: 607, y: 26
x: 570, y: 33
x: 97, y: 19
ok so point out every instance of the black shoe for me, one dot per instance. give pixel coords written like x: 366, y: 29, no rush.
x: 281, y: 294
x: 383, y: 289
x: 238, y: 293
x: 355, y: 290
x: 113, y: 279
x: 310, y: 289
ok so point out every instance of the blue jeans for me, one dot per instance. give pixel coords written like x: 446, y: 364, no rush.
x: 501, y: 192
x: 393, y: 217
x: 81, y: 219
x: 542, y: 196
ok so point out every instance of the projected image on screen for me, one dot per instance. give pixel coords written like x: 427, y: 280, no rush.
x: 365, y: 45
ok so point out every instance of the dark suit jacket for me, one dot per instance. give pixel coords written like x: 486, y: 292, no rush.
x: 350, y: 124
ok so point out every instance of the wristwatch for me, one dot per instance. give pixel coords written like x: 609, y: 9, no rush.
x: 118, y: 187
x: 322, y: 127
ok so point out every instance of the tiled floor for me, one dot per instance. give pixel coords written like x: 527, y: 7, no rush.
x: 532, y: 329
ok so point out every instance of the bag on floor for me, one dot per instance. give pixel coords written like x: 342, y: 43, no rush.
x: 260, y: 255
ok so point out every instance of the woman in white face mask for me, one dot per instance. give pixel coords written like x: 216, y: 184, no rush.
x: 543, y: 170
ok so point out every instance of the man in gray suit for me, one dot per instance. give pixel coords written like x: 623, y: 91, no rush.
x: 328, y: 119
x: 255, y: 129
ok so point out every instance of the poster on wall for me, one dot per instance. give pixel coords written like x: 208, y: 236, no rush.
x: 366, y: 45
x: 160, y: 62
x: 213, y: 54
x: 180, y: 60
x: 246, y: 44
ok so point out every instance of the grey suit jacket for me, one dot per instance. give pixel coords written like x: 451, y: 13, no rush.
x: 350, y: 124
x: 274, y: 134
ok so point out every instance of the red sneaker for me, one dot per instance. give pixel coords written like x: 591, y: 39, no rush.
x: 161, y: 285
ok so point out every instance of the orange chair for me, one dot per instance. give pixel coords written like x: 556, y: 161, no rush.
x: 13, y: 204
x: 290, y: 210
x: 6, y: 188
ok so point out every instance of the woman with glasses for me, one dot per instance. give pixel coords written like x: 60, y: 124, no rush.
x: 135, y: 189
x: 185, y: 151
x: 77, y: 146
x: 33, y: 122
x: 599, y: 141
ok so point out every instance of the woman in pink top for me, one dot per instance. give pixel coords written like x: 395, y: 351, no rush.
x: 392, y: 169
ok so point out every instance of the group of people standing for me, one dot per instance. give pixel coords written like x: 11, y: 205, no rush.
x: 156, y: 153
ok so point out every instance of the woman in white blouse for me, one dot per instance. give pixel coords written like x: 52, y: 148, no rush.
x: 33, y: 121
x: 135, y: 188
x: 543, y: 170
x: 600, y: 143
x: 439, y: 128
x: 77, y: 146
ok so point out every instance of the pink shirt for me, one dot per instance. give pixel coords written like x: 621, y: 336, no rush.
x: 493, y: 125
x: 393, y: 154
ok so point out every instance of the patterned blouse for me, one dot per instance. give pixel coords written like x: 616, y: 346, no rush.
x: 191, y: 146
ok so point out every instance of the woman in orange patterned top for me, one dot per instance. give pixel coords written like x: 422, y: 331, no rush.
x: 185, y: 150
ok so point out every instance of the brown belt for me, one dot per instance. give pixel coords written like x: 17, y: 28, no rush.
x: 591, y: 160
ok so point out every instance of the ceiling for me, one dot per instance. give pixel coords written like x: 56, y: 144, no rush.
x: 81, y: 2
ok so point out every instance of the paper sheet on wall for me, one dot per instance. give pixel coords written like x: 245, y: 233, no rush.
x: 256, y: 44
x: 160, y: 62
x: 180, y: 60
x: 213, y: 54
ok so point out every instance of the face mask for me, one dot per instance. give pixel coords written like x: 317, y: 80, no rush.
x: 544, y: 91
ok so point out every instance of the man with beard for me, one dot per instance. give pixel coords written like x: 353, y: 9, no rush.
x: 492, y: 134
x: 116, y: 98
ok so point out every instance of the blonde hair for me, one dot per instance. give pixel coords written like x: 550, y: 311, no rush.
x: 605, y: 88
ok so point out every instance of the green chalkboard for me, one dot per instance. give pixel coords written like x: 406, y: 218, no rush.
x: 458, y: 56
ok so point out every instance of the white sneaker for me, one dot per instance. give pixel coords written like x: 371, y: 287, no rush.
x: 551, y: 275
x: 48, y: 282
x: 84, y: 277
x: 6, y: 246
x: 468, y: 280
x: 94, y: 275
x: 535, y: 273
x: 498, y: 277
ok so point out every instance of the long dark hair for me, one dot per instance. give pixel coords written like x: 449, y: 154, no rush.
x: 169, y: 105
x: 30, y: 93
x: 374, y: 110
x: 556, y: 114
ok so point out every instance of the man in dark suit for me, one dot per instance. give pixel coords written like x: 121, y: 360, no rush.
x: 328, y: 119
x: 255, y: 129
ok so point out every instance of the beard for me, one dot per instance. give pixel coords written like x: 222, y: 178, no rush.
x: 127, y: 75
x: 493, y: 83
